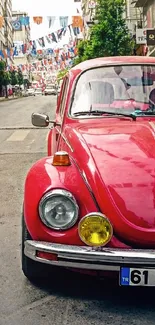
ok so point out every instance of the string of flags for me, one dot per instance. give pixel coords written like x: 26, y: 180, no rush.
x: 31, y: 47
x: 21, y: 20
x: 59, y: 59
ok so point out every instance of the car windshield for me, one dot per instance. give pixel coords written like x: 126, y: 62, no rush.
x: 117, y: 89
x: 38, y: 89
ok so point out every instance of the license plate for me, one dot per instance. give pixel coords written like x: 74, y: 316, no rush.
x: 137, y: 277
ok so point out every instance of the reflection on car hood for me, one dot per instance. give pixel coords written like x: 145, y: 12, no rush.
x: 119, y: 163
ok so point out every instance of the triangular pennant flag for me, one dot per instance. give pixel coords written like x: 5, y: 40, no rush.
x: 1, y: 21
x: 64, y: 31
x: 63, y: 21
x: 48, y: 39
x: 51, y: 20
x: 38, y: 20
x: 53, y: 37
x: 41, y: 41
x: 59, y: 33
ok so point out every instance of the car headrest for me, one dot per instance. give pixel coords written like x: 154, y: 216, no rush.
x: 152, y: 96
x: 103, y: 92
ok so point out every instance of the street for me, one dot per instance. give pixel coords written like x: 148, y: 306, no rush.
x: 75, y: 299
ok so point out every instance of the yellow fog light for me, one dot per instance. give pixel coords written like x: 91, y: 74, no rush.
x: 95, y: 229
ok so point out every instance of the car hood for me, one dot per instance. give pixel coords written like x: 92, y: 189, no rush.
x: 118, y: 162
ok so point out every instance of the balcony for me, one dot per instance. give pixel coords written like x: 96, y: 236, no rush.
x: 140, y: 3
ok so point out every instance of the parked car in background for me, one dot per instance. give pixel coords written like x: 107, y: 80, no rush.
x: 90, y: 205
x: 50, y: 90
x: 31, y: 92
x: 38, y: 91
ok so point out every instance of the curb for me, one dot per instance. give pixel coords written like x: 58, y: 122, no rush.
x: 8, y: 99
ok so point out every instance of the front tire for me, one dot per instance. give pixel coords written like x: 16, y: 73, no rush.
x: 31, y: 269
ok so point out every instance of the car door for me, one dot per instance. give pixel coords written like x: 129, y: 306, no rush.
x: 55, y: 133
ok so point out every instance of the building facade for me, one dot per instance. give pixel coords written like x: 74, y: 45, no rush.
x: 132, y: 15
x: 21, y: 38
x: 88, y: 12
x: 6, y: 31
x: 148, y: 9
x: 134, y: 20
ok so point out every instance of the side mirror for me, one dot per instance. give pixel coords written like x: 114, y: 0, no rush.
x: 41, y: 120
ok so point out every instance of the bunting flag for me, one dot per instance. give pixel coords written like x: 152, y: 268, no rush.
x: 63, y: 21
x: 48, y: 39
x: 51, y: 20
x: 38, y: 20
x: 41, y: 41
x: 77, y: 21
x: 76, y: 31
x: 17, y: 25
x: 60, y: 60
x: 25, y: 21
x: 19, y: 49
x: 1, y: 21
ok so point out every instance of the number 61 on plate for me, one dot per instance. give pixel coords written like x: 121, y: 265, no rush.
x: 137, y: 277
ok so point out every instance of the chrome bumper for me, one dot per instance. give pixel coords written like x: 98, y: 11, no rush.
x: 106, y: 259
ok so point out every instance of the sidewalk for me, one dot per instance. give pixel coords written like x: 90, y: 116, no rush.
x: 2, y: 99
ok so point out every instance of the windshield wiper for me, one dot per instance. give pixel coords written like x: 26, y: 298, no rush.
x: 98, y: 113
x: 148, y: 112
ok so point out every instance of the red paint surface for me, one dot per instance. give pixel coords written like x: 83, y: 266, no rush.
x: 116, y: 156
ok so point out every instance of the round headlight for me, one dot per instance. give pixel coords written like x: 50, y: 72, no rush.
x: 58, y: 210
x: 95, y: 229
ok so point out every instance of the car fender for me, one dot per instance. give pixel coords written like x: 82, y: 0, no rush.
x: 42, y: 178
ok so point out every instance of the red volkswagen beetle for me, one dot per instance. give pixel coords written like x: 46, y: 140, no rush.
x: 90, y: 204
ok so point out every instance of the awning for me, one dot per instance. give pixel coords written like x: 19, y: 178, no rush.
x: 152, y: 52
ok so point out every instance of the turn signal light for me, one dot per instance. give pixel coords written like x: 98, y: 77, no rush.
x: 61, y: 158
x: 95, y: 229
x: 47, y: 256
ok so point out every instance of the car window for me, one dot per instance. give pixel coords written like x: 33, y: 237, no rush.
x: 63, y: 96
x: 115, y: 87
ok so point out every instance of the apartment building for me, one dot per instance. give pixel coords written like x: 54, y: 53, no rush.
x: 88, y: 12
x: 148, y: 10
x: 6, y: 32
x: 21, y: 38
x: 131, y: 14
x: 134, y: 20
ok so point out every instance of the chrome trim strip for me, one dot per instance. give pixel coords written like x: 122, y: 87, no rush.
x: 67, y: 142
x: 84, y: 257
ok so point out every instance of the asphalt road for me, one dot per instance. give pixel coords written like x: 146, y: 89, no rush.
x: 71, y: 298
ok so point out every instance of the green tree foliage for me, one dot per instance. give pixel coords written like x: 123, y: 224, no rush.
x: 2, y: 73
x: 20, y: 78
x: 26, y: 82
x: 61, y: 74
x: 14, y: 78
x: 110, y: 35
x: 4, y: 77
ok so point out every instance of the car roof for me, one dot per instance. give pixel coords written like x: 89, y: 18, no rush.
x: 115, y: 60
